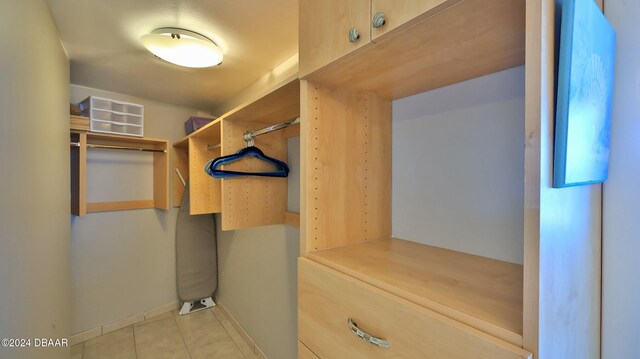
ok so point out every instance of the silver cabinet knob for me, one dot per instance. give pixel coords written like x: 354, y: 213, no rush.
x: 354, y: 35
x: 378, y: 20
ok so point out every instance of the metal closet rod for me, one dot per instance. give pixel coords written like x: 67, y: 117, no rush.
x: 249, y: 136
x: 108, y: 147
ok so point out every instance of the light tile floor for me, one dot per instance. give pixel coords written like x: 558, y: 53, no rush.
x: 206, y: 334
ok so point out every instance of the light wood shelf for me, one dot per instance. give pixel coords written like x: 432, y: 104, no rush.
x: 126, y: 141
x: 79, y: 205
x: 483, y: 293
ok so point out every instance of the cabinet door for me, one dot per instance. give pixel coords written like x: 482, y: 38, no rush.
x: 325, y: 27
x: 400, y: 12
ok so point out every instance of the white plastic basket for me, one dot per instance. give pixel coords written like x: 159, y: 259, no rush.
x: 115, y: 117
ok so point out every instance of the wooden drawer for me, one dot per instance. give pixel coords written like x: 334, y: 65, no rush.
x: 327, y: 299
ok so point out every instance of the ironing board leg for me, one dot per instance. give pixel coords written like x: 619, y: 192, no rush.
x: 188, y: 307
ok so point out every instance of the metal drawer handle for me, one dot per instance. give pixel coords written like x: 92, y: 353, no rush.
x: 379, y: 342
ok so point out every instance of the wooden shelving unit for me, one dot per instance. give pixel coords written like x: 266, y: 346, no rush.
x: 248, y: 201
x: 258, y: 201
x: 190, y: 156
x: 550, y: 306
x: 347, y: 171
x: 81, y: 141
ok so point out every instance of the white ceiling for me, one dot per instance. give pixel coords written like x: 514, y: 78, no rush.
x: 101, y: 40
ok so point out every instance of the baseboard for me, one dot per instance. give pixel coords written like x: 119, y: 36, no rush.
x: 86, y: 335
x: 161, y: 310
x: 121, y: 323
x: 247, y: 338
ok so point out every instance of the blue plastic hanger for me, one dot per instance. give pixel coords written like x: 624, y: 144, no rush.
x: 282, y: 170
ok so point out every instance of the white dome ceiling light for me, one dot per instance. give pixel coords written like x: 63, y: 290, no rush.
x: 182, y: 47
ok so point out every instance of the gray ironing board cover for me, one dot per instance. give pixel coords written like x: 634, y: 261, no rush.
x: 196, y: 257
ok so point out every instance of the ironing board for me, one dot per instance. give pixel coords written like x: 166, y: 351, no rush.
x: 196, y: 258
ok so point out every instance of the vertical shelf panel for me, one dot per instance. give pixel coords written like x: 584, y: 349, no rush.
x: 79, y: 174
x: 181, y: 162
x: 161, y: 179
x: 204, y: 190
x: 347, y: 138
x: 253, y: 201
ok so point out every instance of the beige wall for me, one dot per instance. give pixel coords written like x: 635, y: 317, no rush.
x: 282, y: 73
x: 257, y: 274
x: 34, y: 180
x: 466, y: 139
x: 621, y: 242
x: 124, y: 262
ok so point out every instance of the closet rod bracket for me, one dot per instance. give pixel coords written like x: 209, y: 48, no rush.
x: 250, y: 135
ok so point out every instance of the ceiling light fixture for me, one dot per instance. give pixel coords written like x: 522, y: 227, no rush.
x: 182, y: 47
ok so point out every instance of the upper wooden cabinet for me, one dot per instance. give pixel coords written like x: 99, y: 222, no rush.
x: 324, y: 31
x: 387, y: 15
x: 326, y: 26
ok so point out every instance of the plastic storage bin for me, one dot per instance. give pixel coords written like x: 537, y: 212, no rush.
x: 116, y: 117
x: 194, y: 123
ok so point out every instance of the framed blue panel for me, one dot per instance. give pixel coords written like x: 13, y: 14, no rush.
x: 585, y: 86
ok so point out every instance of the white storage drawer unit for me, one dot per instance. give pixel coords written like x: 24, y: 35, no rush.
x: 116, y: 117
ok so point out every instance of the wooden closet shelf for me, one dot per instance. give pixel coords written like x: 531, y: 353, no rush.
x: 82, y: 140
x: 483, y: 293
x: 281, y: 104
x: 210, y: 130
x: 126, y: 141
x: 120, y: 205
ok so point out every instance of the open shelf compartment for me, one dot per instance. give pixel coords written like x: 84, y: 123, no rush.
x: 190, y: 156
x: 347, y: 163
x: 84, y: 140
x: 246, y: 201
x: 258, y: 201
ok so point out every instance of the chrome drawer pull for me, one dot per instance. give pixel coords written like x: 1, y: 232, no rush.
x: 379, y: 342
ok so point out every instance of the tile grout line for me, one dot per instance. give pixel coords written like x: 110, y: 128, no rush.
x: 181, y: 336
x: 229, y: 334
